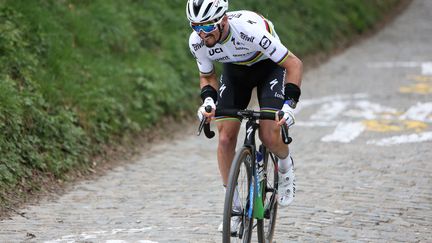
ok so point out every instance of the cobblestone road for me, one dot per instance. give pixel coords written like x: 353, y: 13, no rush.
x: 363, y: 152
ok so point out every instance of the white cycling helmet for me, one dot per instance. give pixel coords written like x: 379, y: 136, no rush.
x: 199, y: 11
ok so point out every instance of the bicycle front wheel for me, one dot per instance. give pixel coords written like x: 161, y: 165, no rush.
x: 238, y: 215
x: 266, y: 226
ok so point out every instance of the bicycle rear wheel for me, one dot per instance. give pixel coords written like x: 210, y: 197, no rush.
x: 266, y: 226
x: 237, y: 199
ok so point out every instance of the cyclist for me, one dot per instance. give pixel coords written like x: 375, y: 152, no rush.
x: 252, y: 56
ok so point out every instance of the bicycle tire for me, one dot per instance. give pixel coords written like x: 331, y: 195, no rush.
x: 240, y: 168
x: 266, y: 226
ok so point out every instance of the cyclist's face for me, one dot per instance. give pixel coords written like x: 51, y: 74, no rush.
x: 211, y: 38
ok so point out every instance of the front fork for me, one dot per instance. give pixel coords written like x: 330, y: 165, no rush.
x: 258, y: 211
x: 256, y: 192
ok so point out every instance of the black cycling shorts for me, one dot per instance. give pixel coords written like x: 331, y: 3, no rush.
x: 237, y: 82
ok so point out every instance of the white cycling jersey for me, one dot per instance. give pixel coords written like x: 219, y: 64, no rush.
x: 251, y: 38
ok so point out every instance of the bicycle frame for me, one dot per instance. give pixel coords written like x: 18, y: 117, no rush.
x: 256, y: 207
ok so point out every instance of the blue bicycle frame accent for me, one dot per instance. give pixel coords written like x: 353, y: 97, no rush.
x: 251, y: 200
x: 257, y: 185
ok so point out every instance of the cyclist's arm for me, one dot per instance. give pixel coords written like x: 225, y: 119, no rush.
x: 209, y: 79
x: 209, y: 87
x: 294, y: 68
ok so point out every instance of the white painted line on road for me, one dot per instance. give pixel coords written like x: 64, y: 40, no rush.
x: 310, y: 102
x: 130, y: 231
x: 345, y: 132
x: 427, y: 68
x: 369, y: 110
x: 365, y: 115
x: 418, y: 112
x: 412, y: 138
x: 85, y: 236
x: 329, y: 111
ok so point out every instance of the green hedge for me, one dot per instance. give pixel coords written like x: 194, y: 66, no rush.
x: 78, y: 74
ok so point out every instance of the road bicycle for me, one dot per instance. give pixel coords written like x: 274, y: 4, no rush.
x: 253, y: 181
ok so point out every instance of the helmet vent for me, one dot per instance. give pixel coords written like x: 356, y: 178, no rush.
x: 197, y: 6
x: 218, y: 10
x: 205, y: 20
x: 207, y: 9
x: 196, y: 10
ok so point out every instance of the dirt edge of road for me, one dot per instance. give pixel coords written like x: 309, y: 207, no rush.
x: 129, y: 150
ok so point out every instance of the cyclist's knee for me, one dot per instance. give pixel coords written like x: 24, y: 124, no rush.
x: 270, y: 138
x: 227, y: 139
x: 228, y: 131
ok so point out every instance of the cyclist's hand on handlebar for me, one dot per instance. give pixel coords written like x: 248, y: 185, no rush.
x: 202, y: 113
x: 288, y: 117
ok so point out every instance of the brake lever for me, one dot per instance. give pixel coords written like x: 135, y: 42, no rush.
x: 201, y: 126
x: 206, y: 126
x: 285, y: 135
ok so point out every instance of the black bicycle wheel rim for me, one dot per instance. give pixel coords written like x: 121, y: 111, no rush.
x: 240, y: 179
x: 266, y: 226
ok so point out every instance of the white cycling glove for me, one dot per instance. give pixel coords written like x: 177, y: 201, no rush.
x: 201, y: 110
x: 288, y: 114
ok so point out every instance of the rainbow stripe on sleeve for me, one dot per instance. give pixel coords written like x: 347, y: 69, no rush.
x: 282, y: 60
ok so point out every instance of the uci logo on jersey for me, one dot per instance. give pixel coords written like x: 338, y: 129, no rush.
x: 215, y: 51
